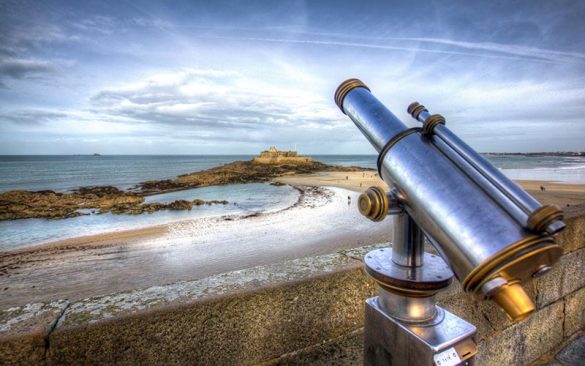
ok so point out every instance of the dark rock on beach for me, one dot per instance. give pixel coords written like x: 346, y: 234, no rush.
x: 52, y: 205
x: 156, y: 206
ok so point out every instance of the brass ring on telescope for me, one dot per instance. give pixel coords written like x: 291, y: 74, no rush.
x: 544, y: 216
x: 513, y: 262
x: 393, y: 142
x: 415, y: 108
x: 344, y: 88
x: 431, y: 122
x: 411, y: 107
x: 492, y: 262
x: 478, y: 274
x: 408, y: 292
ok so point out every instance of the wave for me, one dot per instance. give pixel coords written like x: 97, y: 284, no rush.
x: 566, y: 167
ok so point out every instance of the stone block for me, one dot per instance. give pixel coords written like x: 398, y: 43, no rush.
x: 573, y: 265
x: 574, y: 312
x: 24, y: 331
x: 549, y: 288
x: 347, y: 350
x: 573, y: 354
x: 526, y: 341
x: 485, y: 315
x: 573, y: 237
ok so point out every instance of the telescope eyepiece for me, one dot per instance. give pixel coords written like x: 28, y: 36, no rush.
x: 514, y: 301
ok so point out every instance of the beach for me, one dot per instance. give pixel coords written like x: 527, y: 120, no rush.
x: 320, y: 222
x: 324, y: 219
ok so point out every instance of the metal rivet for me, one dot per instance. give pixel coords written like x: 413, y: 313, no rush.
x: 542, y: 269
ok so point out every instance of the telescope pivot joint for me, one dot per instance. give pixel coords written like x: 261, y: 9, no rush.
x: 376, y: 204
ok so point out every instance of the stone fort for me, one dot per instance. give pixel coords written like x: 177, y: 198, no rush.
x: 273, y: 156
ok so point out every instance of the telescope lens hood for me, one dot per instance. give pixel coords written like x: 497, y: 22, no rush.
x: 344, y: 88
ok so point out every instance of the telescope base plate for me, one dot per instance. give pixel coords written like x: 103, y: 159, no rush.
x: 433, y: 276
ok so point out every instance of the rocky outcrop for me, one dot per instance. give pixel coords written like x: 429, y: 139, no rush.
x: 53, y: 205
x: 83, y: 201
x: 156, y: 206
x: 237, y: 172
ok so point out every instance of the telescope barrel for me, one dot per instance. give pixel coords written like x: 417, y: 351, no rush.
x: 513, y: 198
x: 375, y: 121
x: 474, y: 226
x: 497, y: 194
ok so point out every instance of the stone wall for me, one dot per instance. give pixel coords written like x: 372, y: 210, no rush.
x: 282, y: 160
x: 273, y: 156
x: 305, y: 311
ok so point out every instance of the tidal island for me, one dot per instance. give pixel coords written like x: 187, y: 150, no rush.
x: 49, y: 204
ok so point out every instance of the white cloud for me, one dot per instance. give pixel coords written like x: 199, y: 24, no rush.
x: 509, y: 49
x: 218, y: 102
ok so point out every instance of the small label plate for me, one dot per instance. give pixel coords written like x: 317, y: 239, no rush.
x: 448, y: 357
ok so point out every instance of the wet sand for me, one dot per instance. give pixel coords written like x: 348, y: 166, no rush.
x: 321, y: 222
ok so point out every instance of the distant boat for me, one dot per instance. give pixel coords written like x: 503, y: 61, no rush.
x: 96, y: 154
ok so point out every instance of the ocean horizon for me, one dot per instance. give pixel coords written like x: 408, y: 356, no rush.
x: 63, y: 173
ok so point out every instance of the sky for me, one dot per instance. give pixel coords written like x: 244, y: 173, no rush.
x: 215, y: 77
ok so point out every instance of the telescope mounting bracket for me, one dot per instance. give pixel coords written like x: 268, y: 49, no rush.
x: 403, y: 324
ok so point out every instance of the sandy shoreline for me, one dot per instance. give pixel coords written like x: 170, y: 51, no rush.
x: 560, y: 194
x: 321, y: 222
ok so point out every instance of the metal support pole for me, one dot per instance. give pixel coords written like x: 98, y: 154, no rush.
x: 408, y: 243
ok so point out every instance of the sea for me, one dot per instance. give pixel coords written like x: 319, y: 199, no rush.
x: 64, y: 173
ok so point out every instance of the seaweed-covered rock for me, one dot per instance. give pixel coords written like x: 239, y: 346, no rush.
x: 180, y: 205
x: 47, y: 204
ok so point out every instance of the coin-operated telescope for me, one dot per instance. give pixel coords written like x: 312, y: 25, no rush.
x: 490, y: 233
